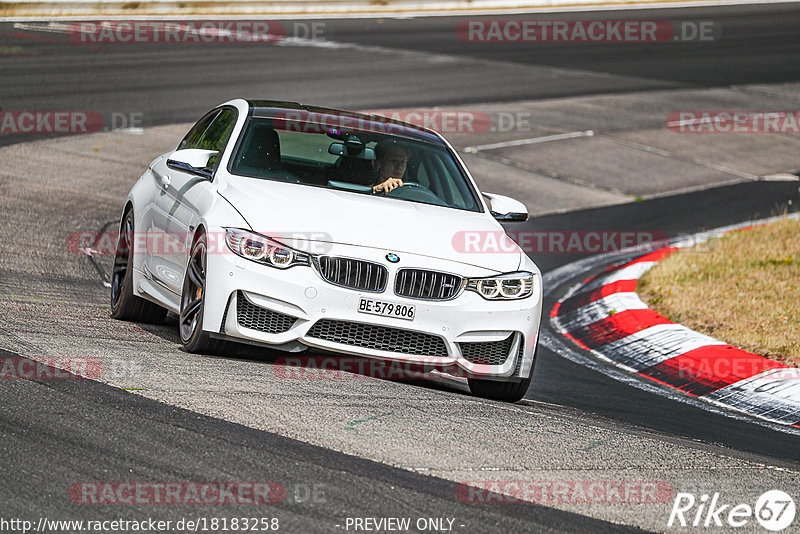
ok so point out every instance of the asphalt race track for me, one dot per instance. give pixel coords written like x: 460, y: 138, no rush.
x: 367, y: 448
x: 391, y: 63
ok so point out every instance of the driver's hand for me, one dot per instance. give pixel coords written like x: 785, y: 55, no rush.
x: 388, y: 185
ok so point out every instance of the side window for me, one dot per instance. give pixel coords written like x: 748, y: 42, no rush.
x: 196, y: 133
x: 212, y: 133
x: 218, y: 133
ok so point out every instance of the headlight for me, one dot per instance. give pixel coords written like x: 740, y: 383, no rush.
x: 509, y: 286
x: 261, y: 249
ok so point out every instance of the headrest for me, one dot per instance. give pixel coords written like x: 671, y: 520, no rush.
x: 261, y: 148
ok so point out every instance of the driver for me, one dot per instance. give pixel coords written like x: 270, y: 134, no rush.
x: 390, y: 166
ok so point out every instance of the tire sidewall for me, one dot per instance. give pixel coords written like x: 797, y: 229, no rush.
x: 198, y: 337
x: 126, y: 288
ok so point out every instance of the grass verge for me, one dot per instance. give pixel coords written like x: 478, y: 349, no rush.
x: 743, y: 289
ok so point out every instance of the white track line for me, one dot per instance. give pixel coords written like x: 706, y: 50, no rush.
x: 531, y: 141
x: 694, y: 161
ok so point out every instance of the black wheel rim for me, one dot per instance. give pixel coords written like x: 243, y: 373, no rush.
x: 194, y: 286
x: 121, y: 257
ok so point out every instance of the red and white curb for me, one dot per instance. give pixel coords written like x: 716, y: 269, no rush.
x: 605, y: 316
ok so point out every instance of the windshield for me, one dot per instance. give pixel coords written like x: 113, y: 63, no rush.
x: 353, y: 160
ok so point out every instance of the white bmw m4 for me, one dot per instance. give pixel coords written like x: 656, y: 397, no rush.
x: 291, y: 226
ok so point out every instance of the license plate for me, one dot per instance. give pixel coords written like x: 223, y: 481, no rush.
x: 387, y: 309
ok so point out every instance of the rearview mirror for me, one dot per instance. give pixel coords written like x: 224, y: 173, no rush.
x: 194, y: 160
x: 505, y: 208
x: 339, y: 149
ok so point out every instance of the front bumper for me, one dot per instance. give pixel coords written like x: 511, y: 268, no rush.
x: 296, y: 308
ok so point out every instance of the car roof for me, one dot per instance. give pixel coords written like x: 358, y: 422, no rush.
x: 340, y: 118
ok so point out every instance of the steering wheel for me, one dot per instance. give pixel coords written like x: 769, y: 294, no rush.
x: 416, y: 191
x: 417, y: 184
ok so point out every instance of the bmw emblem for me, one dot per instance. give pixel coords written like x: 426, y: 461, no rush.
x: 392, y: 257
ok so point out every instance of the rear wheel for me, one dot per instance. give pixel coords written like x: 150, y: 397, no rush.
x: 502, y: 391
x: 190, y: 321
x: 124, y: 304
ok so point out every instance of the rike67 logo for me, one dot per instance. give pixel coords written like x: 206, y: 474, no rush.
x: 774, y: 510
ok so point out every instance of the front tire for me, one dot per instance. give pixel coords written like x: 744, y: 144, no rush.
x: 126, y: 306
x: 190, y: 321
x: 502, y: 391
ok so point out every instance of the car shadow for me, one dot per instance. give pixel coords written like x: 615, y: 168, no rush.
x: 319, y: 364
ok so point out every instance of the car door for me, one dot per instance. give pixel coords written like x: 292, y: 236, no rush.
x: 154, y: 219
x: 186, y: 196
x: 145, y: 217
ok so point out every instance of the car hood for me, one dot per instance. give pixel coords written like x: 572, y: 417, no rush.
x: 299, y: 214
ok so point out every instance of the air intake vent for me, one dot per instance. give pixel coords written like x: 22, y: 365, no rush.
x: 248, y: 315
x: 354, y: 274
x: 520, y: 354
x: 379, y: 338
x: 487, y: 353
x: 430, y: 285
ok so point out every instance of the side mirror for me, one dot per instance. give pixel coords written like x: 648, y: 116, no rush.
x: 506, y: 209
x: 193, y: 160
